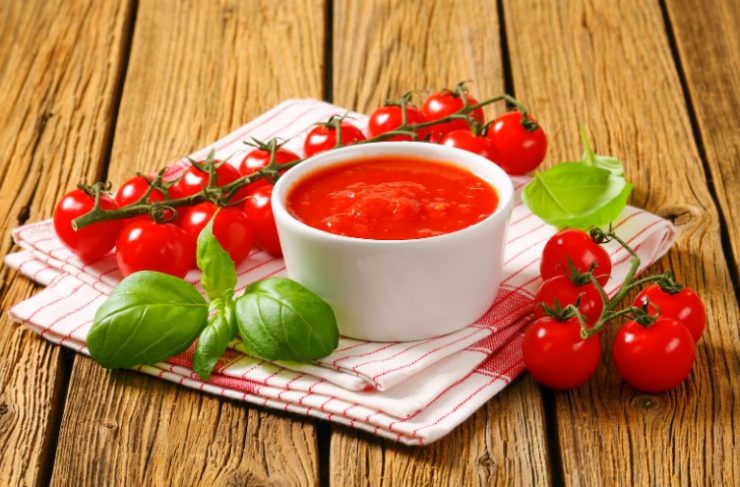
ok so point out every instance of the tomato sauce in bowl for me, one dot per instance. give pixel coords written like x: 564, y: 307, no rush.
x: 391, y: 198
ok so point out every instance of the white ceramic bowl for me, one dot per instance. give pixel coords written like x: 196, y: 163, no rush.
x: 389, y: 290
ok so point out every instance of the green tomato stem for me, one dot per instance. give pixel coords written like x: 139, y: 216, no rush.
x: 629, y: 283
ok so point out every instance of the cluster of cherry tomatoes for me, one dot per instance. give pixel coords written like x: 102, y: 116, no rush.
x: 654, y: 351
x: 141, y: 243
x: 144, y: 244
x: 515, y: 146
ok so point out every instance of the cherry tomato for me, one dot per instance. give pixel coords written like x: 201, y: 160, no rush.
x: 466, y: 140
x: 193, y: 181
x: 147, y: 245
x: 577, y: 246
x: 390, y: 117
x: 259, y: 212
x: 133, y: 189
x: 323, y: 137
x: 656, y: 357
x: 180, y: 211
x: 259, y: 158
x: 516, y: 149
x: 92, y: 242
x: 684, y: 306
x: 444, y: 103
x: 557, y: 356
x: 566, y: 292
x: 230, y: 227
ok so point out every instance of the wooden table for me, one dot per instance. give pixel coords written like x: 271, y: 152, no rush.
x: 99, y: 89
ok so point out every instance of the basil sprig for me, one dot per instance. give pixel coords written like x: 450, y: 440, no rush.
x: 581, y: 194
x: 215, y: 337
x: 218, y: 274
x: 218, y: 278
x: 151, y: 316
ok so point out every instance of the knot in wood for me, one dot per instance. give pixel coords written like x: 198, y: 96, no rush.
x: 645, y: 402
x: 246, y: 477
x: 485, y: 465
x: 109, y: 424
x: 680, y: 215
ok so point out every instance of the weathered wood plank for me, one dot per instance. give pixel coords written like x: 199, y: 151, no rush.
x: 707, y: 38
x: 381, y: 49
x: 59, y: 79
x: 503, y: 443
x: 613, y: 72
x: 197, y: 70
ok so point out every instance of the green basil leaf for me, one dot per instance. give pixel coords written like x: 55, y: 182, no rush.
x: 148, y: 318
x: 577, y: 195
x: 218, y: 271
x: 611, y: 164
x: 215, y: 337
x: 279, y: 319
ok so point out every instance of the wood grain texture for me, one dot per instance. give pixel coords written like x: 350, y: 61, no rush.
x: 381, y: 50
x: 613, y: 72
x: 197, y: 71
x: 59, y: 78
x: 708, y: 42
x: 503, y: 443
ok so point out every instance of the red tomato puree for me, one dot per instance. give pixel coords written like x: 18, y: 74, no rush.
x: 391, y: 198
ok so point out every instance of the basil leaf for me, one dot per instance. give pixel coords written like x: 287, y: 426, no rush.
x: 573, y: 194
x: 218, y: 271
x: 215, y: 337
x: 611, y: 164
x: 279, y: 319
x: 148, y: 317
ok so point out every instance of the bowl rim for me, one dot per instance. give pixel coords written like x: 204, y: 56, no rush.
x: 503, y: 186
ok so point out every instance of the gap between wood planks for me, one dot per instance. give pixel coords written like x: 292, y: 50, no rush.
x: 548, y: 399
x: 693, y: 119
x: 67, y: 355
x: 323, y: 428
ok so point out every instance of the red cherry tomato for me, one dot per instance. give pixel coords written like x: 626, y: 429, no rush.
x: 566, y: 292
x: 259, y: 212
x: 684, y: 306
x: 231, y: 228
x: 444, y: 103
x: 390, y: 117
x: 323, y: 137
x: 557, y: 356
x: 654, y: 358
x: 259, y: 158
x: 193, y: 180
x: 180, y: 211
x: 516, y: 149
x: 466, y: 140
x: 577, y: 246
x: 133, y: 189
x: 145, y: 245
x: 92, y: 242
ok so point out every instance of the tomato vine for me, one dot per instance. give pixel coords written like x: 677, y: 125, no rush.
x: 166, y: 210
x: 609, y: 311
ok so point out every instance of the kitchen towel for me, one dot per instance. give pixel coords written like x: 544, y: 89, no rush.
x: 412, y: 392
